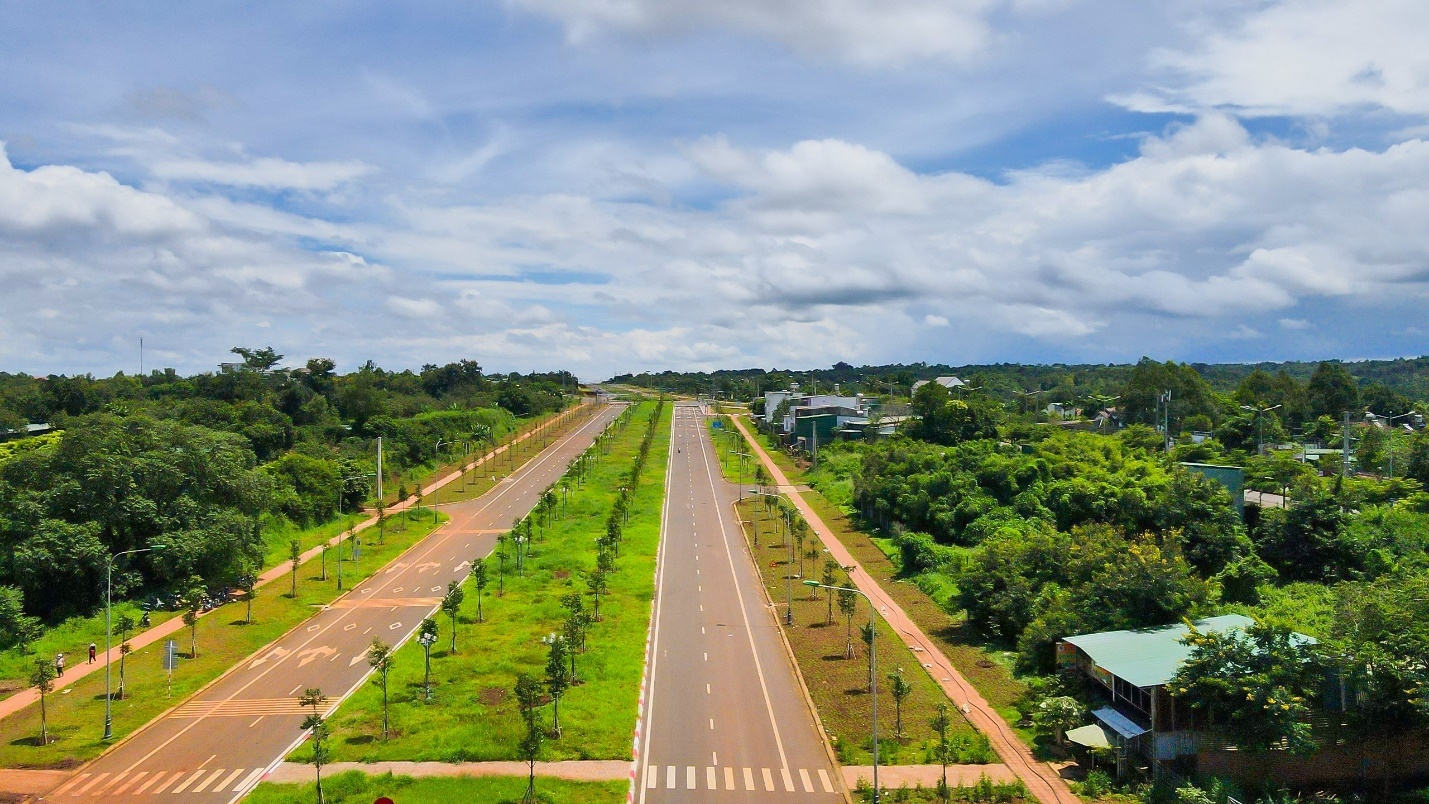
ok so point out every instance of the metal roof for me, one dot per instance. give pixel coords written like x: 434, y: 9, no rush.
x: 1119, y: 723
x: 1150, y: 657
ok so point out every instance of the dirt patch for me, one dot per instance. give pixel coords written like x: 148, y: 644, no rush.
x: 562, y: 574
x: 492, y: 696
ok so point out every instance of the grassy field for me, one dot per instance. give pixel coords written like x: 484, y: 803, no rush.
x: 473, y: 715
x: 839, y: 685
x: 988, y: 670
x: 355, y: 787
x: 76, y: 712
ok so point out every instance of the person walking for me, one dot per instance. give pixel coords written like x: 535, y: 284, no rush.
x: 59, y: 664
x: 92, y: 649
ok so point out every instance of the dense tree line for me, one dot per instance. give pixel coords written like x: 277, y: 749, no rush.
x: 204, y: 464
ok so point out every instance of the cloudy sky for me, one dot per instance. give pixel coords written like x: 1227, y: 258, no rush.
x: 623, y: 185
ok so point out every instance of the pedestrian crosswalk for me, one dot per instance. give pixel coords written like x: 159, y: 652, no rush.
x: 165, y: 782
x: 709, y: 777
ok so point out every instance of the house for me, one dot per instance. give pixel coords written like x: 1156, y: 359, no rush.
x: 1132, y: 668
x: 947, y: 382
x: 1060, y: 411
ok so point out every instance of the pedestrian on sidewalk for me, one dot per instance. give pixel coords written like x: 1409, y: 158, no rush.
x: 92, y: 648
x: 59, y: 664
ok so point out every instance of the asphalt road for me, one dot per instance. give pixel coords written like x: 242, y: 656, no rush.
x: 219, y: 744
x: 725, y: 719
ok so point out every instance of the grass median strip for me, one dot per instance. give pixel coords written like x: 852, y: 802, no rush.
x: 76, y: 713
x: 837, y: 682
x: 473, y: 714
x: 353, y: 787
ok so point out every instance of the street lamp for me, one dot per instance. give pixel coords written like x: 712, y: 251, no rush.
x: 742, y: 456
x: 1259, y: 411
x: 342, y: 488
x: 1391, y: 419
x: 109, y: 629
x: 872, y: 668
x: 427, y: 639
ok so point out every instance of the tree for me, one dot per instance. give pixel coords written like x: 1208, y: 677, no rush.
x: 193, y: 607
x: 479, y: 579
x: 828, y: 580
x: 944, y: 420
x: 249, y: 582
x: 528, y: 701
x: 380, y: 658
x: 943, y: 750
x: 42, y: 677
x: 596, y: 581
x: 124, y: 624
x: 1332, y: 390
x: 295, y: 555
x: 1057, y: 714
x: 501, y: 539
x: 1257, y: 682
x: 900, y: 689
x: 16, y: 627
x: 848, y: 606
x: 313, y: 697
x: 427, y: 634
x: 451, y: 606
x: 557, y: 677
x: 258, y: 359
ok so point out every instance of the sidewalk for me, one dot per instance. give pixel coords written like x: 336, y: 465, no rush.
x: 75, y: 672
x: 609, y: 770
x: 1041, y: 779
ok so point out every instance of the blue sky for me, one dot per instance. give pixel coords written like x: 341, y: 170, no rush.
x: 626, y: 185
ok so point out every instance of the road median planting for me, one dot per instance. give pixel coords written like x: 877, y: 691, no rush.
x: 551, y: 567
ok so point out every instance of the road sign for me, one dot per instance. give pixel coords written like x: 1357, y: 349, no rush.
x: 171, y: 655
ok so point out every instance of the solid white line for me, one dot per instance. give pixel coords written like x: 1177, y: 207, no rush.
x: 743, y: 611
x: 655, y: 619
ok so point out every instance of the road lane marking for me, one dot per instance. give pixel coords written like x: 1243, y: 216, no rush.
x: 229, y: 780
x: 711, y: 724
x: 92, y: 783
x: 156, y: 777
x: 136, y: 777
x: 788, y: 780
x: 249, y: 780
x: 824, y: 780
x: 748, y: 778
x: 805, y: 781
x: 295, y: 690
x: 710, y: 778
x: 650, y: 777
x: 768, y: 781
x: 184, y: 786
x: 729, y: 778
x: 71, y: 783
x: 102, y: 788
x: 167, y: 782
x: 689, y: 777
x: 254, y: 723
x: 203, y: 785
x: 670, y: 777
x: 707, y: 688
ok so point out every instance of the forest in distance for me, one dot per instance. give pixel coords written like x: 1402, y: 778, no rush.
x: 215, y: 466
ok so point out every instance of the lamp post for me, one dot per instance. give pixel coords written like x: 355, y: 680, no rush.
x: 742, y: 457
x: 1391, y: 419
x: 342, y: 488
x: 109, y: 629
x: 872, y: 669
x: 1259, y: 411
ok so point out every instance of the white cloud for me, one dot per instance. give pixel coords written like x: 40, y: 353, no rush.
x: 876, y: 33
x: 1294, y: 324
x: 1299, y: 57
x: 935, y: 320
x: 266, y: 173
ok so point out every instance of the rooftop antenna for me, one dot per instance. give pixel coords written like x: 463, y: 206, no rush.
x: 141, y: 357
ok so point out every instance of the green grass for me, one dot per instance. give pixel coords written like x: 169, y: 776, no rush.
x: 76, y: 712
x: 356, y: 787
x: 473, y: 714
x: 983, y: 666
x: 839, y: 686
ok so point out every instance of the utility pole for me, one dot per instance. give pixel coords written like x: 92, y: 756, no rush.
x: 1345, y: 450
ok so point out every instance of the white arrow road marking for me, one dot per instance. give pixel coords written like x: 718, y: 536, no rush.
x: 312, y: 653
x: 276, y: 653
x: 462, y: 564
x: 355, y: 660
x: 426, y: 566
x: 397, y: 566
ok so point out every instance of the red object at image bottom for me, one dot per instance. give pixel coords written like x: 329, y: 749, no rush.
x: 383, y: 800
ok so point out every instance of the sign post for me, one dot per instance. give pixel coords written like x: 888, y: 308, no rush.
x: 171, y: 660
